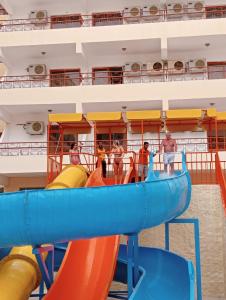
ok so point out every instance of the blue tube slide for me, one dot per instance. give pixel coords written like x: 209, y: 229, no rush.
x: 50, y: 216
x: 164, y: 275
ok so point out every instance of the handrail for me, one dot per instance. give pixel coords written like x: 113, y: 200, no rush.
x: 190, y: 145
x: 111, y: 18
x: 66, y: 76
x: 221, y: 180
x: 126, y: 77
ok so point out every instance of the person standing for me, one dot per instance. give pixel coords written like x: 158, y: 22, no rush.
x: 169, y: 147
x: 74, y: 154
x: 118, y: 151
x: 143, y: 162
x: 101, y: 158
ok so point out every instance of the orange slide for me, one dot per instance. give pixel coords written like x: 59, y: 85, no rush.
x: 88, y: 265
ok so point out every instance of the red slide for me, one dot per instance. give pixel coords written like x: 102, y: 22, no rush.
x: 88, y: 267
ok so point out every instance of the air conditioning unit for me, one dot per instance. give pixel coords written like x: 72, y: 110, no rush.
x: 175, y: 10
x: 151, y: 12
x: 176, y: 67
x: 133, y: 69
x: 39, y: 17
x: 155, y: 68
x: 197, y: 65
x: 38, y: 71
x: 34, y: 128
x: 132, y: 14
x: 196, y: 9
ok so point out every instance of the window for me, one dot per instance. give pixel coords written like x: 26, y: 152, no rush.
x: 66, y: 21
x: 69, y: 139
x: 215, y: 12
x: 219, y: 141
x: 109, y: 138
x: 216, y: 70
x: 70, y: 77
x: 108, y: 75
x: 107, y: 18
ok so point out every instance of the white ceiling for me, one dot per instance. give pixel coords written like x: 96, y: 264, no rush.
x: 132, y: 47
x: 117, y: 106
x: 197, y: 43
x: 16, y: 113
x: 220, y: 104
x: 34, y: 52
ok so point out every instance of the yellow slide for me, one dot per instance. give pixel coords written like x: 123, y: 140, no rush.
x: 19, y: 271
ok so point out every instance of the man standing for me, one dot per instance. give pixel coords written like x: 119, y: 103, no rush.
x: 143, y: 162
x: 169, y: 146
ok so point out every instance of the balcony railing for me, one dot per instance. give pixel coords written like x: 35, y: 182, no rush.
x: 189, y: 145
x: 109, y: 19
x: 106, y: 78
x: 23, y: 149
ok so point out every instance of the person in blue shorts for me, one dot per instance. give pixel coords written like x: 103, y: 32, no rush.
x: 169, y: 147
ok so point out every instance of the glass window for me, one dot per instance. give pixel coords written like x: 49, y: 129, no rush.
x: 215, y: 12
x: 66, y: 21
x: 107, y: 18
x: 217, y: 70
x: 65, y: 77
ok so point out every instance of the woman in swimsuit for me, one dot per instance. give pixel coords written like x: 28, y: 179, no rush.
x: 118, y: 151
x: 74, y: 154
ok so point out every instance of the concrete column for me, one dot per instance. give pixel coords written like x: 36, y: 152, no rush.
x: 165, y: 104
x: 79, y: 108
x: 164, y: 48
x: 79, y: 48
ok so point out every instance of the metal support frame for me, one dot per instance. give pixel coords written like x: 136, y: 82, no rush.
x: 46, y: 267
x: 195, y: 223
x: 132, y: 269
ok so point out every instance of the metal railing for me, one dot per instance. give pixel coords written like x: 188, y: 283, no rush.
x: 109, y: 19
x: 220, y: 176
x: 201, y: 166
x: 23, y: 149
x: 188, y: 145
x: 127, y: 77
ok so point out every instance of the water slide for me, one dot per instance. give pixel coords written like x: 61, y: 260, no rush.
x: 94, y: 261
x: 50, y: 216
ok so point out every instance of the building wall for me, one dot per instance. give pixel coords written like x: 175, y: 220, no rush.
x: 88, y: 6
x: 207, y: 206
x: 15, y: 183
x: 70, y: 59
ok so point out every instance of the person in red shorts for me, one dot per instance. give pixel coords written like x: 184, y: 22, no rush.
x: 143, y: 162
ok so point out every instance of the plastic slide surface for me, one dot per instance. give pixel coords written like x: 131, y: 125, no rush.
x: 19, y: 271
x: 164, y: 275
x: 88, y: 265
x: 51, y: 216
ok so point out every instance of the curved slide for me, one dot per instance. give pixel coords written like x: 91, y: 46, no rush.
x: 164, y: 275
x: 88, y: 265
x: 39, y: 217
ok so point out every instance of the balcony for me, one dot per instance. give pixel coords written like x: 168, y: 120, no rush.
x: 113, y: 77
x: 133, y: 15
x: 26, y: 159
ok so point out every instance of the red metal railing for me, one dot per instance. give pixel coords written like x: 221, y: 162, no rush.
x: 89, y: 161
x: 127, y: 77
x: 220, y: 176
x: 110, y: 18
x: 189, y: 145
x: 200, y: 165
